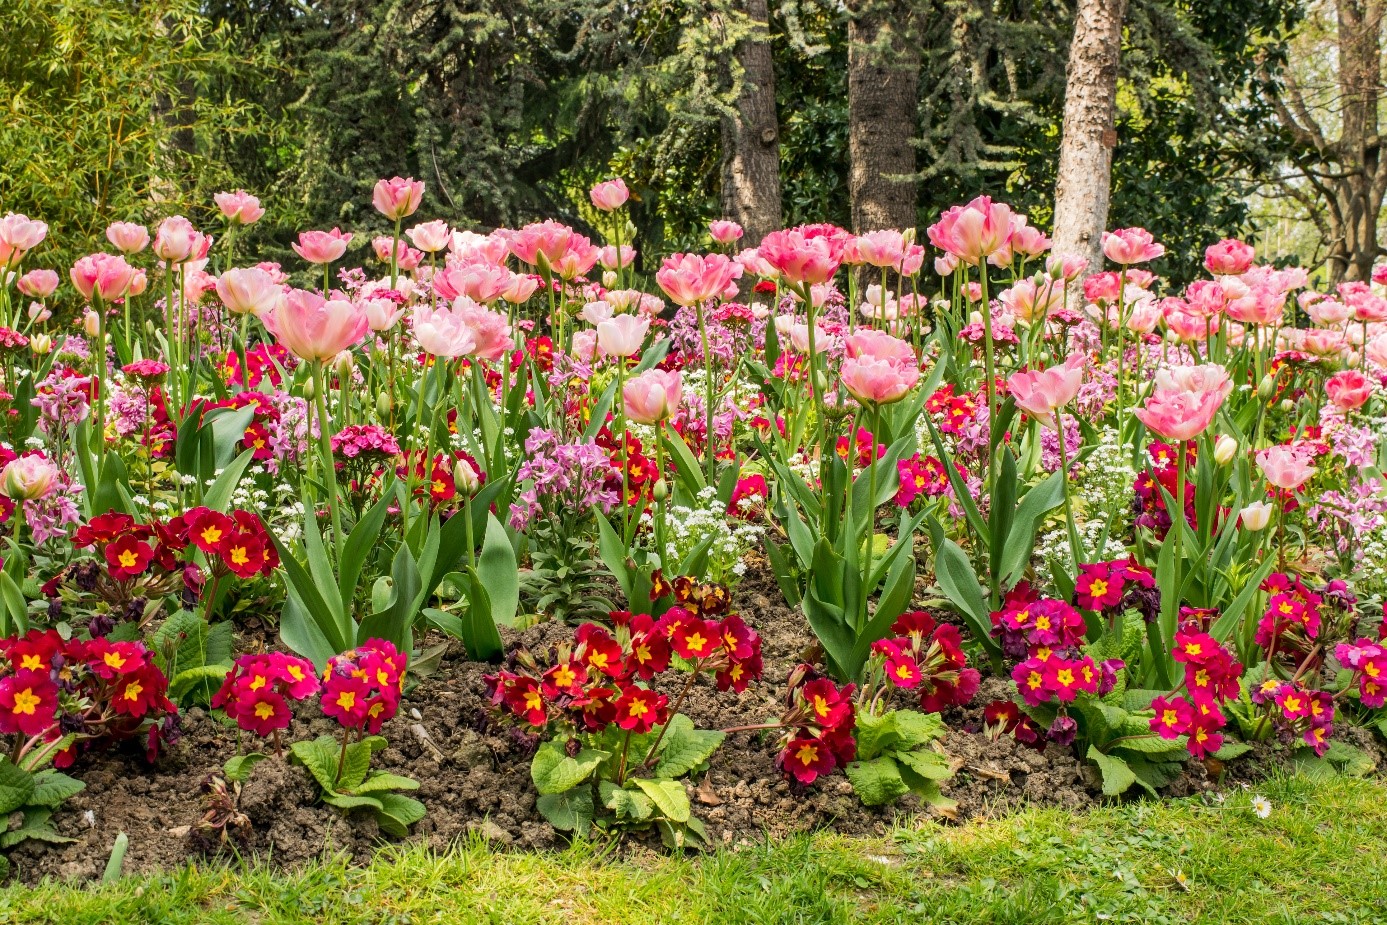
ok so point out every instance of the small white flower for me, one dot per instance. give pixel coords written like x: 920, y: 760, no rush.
x: 1261, y: 806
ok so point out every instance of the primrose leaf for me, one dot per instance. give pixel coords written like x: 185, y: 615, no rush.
x: 570, y: 811
x: 554, y: 772
x: 878, y: 781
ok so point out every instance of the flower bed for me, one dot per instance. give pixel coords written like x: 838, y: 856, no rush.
x: 498, y: 541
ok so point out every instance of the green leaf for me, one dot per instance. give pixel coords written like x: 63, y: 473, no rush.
x: 36, y: 825
x: 668, y: 796
x: 52, y: 787
x: 1117, y: 774
x: 16, y: 611
x: 925, y: 762
x: 16, y: 786
x: 570, y: 811
x: 1350, y: 760
x: 361, y: 542
x: 614, y: 555
x: 319, y: 756
x: 629, y: 805
x: 480, y: 636
x: 877, y: 782
x: 553, y: 771
x: 237, y: 770
x: 397, y: 813
x: 499, y: 573
x: 685, y: 748
x: 959, y: 582
x: 1020, y: 542
x: 117, y: 859
x: 1232, y: 749
x: 351, y: 801
x: 384, y: 780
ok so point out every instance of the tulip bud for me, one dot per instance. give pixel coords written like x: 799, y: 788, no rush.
x: 91, y: 323
x: 1256, y: 516
x: 310, y: 388
x: 1287, y: 405
x: 609, y: 278
x: 1267, y: 387
x: 41, y: 344
x: 383, y: 405
x: 465, y: 477
x: 908, y: 236
x: 343, y: 366
x: 661, y: 490
x: 1225, y: 448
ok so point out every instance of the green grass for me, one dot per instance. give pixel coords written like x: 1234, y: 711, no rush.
x: 1319, y: 857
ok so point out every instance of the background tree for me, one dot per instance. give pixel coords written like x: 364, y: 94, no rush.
x: 883, y: 107
x: 751, y: 134
x: 1084, y: 184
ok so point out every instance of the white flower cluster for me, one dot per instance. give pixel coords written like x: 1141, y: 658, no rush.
x: 1105, y: 486
x: 731, y: 539
x: 1052, y: 551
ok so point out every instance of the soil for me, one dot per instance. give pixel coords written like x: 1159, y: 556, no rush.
x: 474, y: 774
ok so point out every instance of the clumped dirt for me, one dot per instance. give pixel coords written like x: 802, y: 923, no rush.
x: 474, y: 774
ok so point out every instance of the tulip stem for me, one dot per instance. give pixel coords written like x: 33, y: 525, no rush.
x: 325, y: 449
x: 708, y: 392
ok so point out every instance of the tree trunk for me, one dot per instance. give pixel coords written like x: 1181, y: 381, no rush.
x: 1084, y: 184
x: 751, y: 141
x: 1359, y: 193
x: 883, y: 105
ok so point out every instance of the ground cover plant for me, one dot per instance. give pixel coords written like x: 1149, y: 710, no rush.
x: 449, y: 532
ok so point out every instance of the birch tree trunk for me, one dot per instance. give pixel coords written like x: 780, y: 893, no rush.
x: 751, y: 141
x: 883, y: 106
x: 1084, y: 185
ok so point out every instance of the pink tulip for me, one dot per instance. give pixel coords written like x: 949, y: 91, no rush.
x: 912, y: 260
x: 322, y: 247
x: 177, y: 241
x: 1032, y: 300
x: 1380, y: 275
x: 239, y: 208
x: 876, y: 249
x: 28, y: 478
x: 38, y: 284
x: 521, y: 287
x: 799, y: 336
x: 652, y: 396
x: 1328, y: 312
x: 1144, y: 316
x: 1027, y: 241
x: 431, y: 237
x: 610, y: 195
x: 1185, y: 400
x: 479, y: 282
x: 490, y: 330
x: 622, y: 335
x: 945, y: 265
x: 807, y: 254
x: 382, y: 314
x: 725, y: 232
x: 1131, y: 245
x: 753, y: 263
x: 19, y: 234
x: 583, y: 347
x: 975, y: 232
x: 541, y: 244
x: 127, y: 237
x: 1229, y: 257
x: 406, y: 257
x: 878, y: 345
x: 1348, y: 389
x: 577, y: 259
x: 102, y: 276
x: 875, y: 381
x: 1043, y: 392
x: 250, y: 291
x: 398, y: 197
x: 1376, y: 350
x: 1285, y: 467
x: 597, y: 312
x: 692, y: 278
x: 443, y: 332
x: 1066, y: 267
x: 313, y: 328
x: 1261, y: 306
x: 1205, y: 298
x: 1321, y: 342
x: 612, y: 259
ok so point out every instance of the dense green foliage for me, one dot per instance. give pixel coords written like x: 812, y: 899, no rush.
x: 509, y: 109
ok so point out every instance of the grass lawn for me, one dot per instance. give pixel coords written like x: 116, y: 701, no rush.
x: 1318, y: 857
